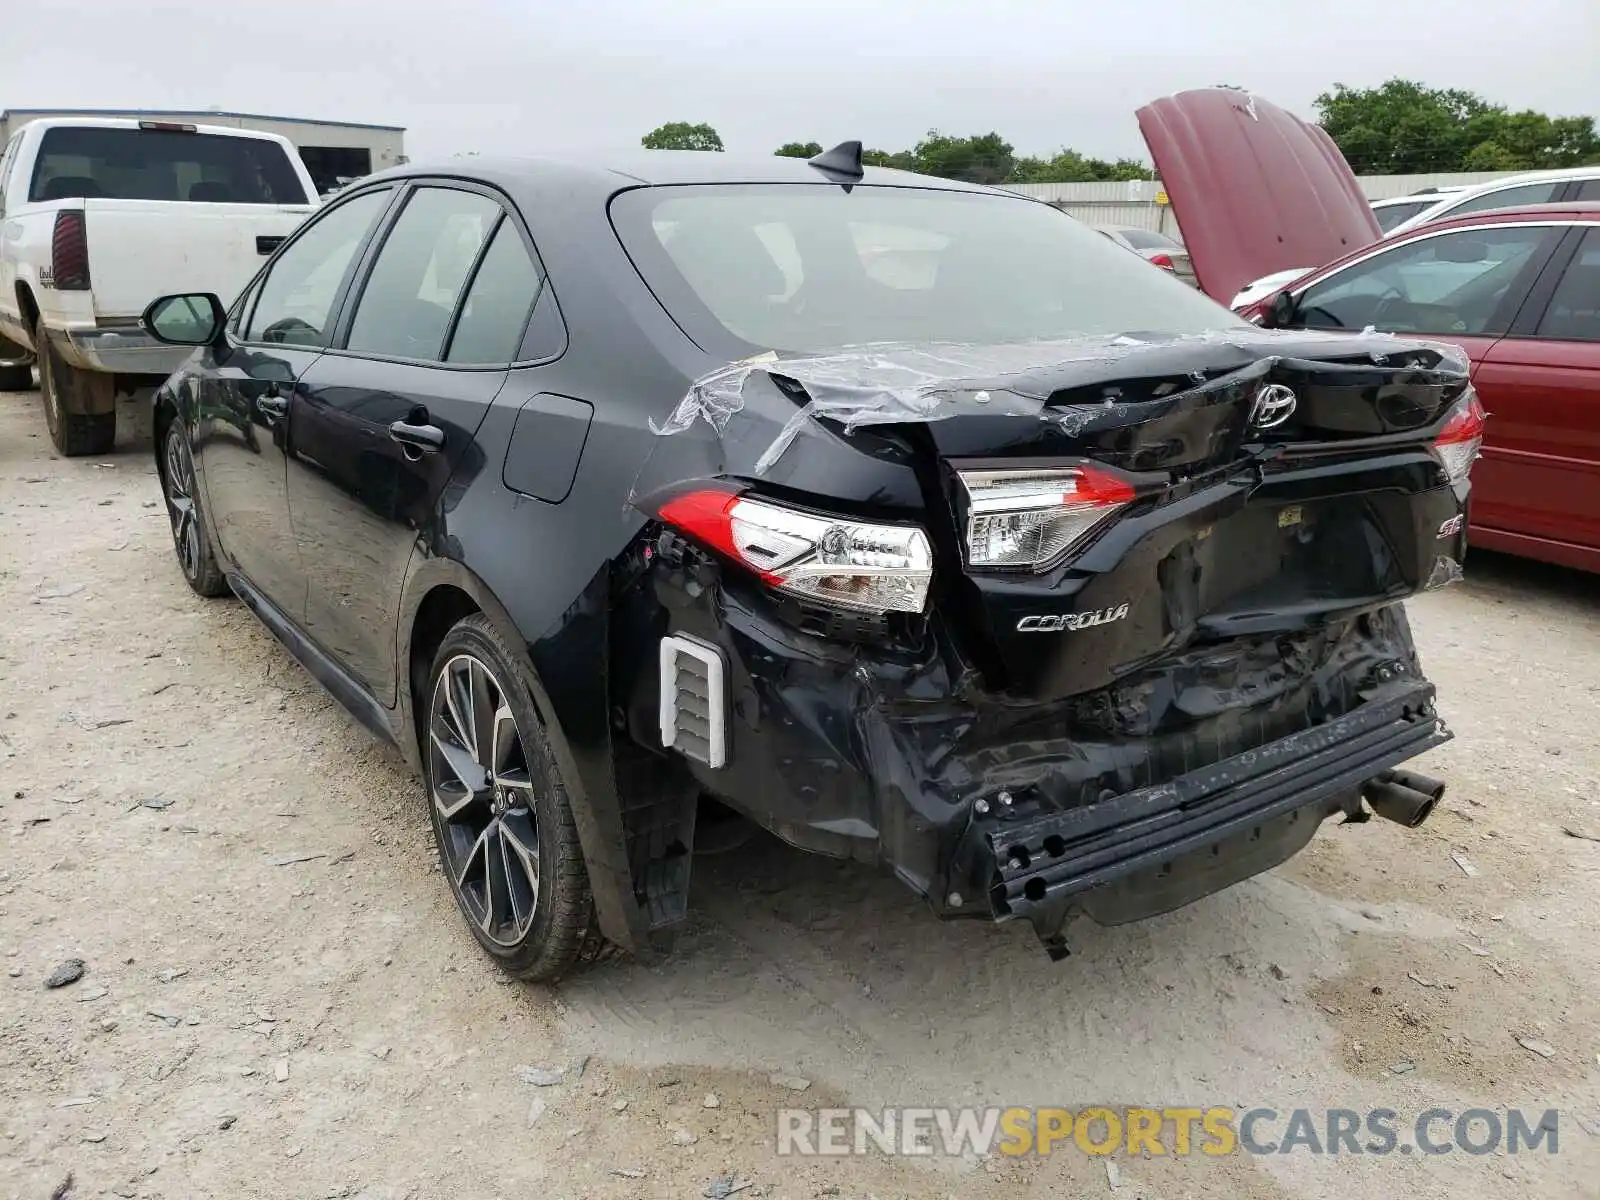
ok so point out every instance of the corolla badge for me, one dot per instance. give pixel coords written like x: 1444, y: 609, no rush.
x: 1057, y: 622
x: 1274, y: 405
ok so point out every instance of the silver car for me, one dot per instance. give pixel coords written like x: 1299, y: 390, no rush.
x: 1156, y: 248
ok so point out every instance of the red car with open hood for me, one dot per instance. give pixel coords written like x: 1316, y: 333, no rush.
x: 1257, y: 190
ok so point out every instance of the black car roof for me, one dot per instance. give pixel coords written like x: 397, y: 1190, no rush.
x: 622, y: 168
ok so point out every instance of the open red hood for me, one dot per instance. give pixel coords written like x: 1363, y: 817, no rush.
x: 1255, y: 189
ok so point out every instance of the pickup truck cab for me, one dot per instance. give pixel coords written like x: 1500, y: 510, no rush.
x: 98, y: 217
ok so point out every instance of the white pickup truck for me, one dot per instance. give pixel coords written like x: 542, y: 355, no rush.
x: 100, y: 217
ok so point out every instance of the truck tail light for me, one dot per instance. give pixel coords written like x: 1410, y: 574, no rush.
x: 69, y: 251
x: 860, y: 566
x: 1461, y: 438
x: 1030, y: 518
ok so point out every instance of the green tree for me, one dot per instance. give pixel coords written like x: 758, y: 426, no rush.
x: 799, y: 150
x: 983, y: 158
x: 900, y: 160
x: 680, y: 135
x: 1403, y: 127
x: 1068, y: 166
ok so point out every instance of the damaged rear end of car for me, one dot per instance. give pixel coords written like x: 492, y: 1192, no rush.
x: 1104, y: 621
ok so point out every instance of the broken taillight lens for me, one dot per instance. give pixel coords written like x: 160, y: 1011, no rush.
x: 861, y: 566
x: 1461, y: 438
x: 1030, y: 518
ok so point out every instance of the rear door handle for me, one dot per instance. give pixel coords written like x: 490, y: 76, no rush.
x: 426, y: 439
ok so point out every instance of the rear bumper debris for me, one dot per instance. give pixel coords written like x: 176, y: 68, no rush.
x: 1156, y: 848
x: 1181, y: 778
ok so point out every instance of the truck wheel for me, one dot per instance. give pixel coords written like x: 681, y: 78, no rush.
x: 500, y: 812
x: 67, y: 392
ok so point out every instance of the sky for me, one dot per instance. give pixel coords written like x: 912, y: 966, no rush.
x: 502, y: 76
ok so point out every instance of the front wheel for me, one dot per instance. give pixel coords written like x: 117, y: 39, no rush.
x: 500, y: 812
x: 189, y: 539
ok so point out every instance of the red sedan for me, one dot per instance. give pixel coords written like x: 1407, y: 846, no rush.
x: 1519, y: 291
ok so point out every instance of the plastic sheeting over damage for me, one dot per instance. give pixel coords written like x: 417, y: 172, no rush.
x: 898, y: 383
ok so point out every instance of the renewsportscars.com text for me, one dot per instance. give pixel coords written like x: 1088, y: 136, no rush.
x: 1213, y: 1132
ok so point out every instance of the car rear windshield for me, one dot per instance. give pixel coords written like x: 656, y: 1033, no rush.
x: 1148, y: 239
x: 1391, y: 215
x: 800, y: 267
x: 162, y: 164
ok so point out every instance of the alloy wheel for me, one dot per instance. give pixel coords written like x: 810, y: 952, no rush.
x: 181, y: 505
x: 481, y: 789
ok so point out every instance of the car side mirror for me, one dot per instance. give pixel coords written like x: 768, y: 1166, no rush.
x: 190, y: 319
x: 1279, y: 311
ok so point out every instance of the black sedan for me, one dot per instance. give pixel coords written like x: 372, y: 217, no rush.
x: 915, y: 522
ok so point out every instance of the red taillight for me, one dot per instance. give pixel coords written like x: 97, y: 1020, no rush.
x: 1031, y: 517
x: 861, y: 566
x: 1461, y: 438
x: 705, y: 514
x: 1164, y: 262
x: 69, y: 252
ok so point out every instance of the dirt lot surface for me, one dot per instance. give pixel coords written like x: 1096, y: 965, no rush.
x: 280, y: 999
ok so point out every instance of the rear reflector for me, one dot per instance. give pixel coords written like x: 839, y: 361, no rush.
x: 69, y: 252
x: 693, y: 708
x: 1461, y: 438
x: 1031, y: 518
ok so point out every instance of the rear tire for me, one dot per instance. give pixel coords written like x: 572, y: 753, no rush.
x: 501, y: 817
x: 65, y: 388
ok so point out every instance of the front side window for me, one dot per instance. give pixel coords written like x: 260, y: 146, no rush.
x: 1449, y: 283
x: 802, y: 267
x: 407, y: 300
x: 163, y: 164
x: 1573, y: 314
x: 298, y: 294
x: 1511, y: 197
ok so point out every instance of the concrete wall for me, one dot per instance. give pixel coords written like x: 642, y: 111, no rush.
x: 1133, y: 203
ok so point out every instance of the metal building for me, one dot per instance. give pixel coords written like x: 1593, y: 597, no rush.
x: 334, y: 152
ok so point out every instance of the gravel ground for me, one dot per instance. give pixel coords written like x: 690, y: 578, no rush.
x: 280, y: 1000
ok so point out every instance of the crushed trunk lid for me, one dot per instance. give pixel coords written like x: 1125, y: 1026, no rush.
x: 1255, y: 189
x: 1255, y: 483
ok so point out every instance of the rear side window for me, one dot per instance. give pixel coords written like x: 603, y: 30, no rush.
x: 1574, y: 311
x: 502, y: 294
x: 298, y: 293
x: 1589, y: 189
x: 1511, y: 197
x: 408, y: 299
x: 802, y: 267
x: 163, y: 164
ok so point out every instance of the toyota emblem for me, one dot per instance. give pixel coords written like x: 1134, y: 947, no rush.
x: 1274, y: 405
